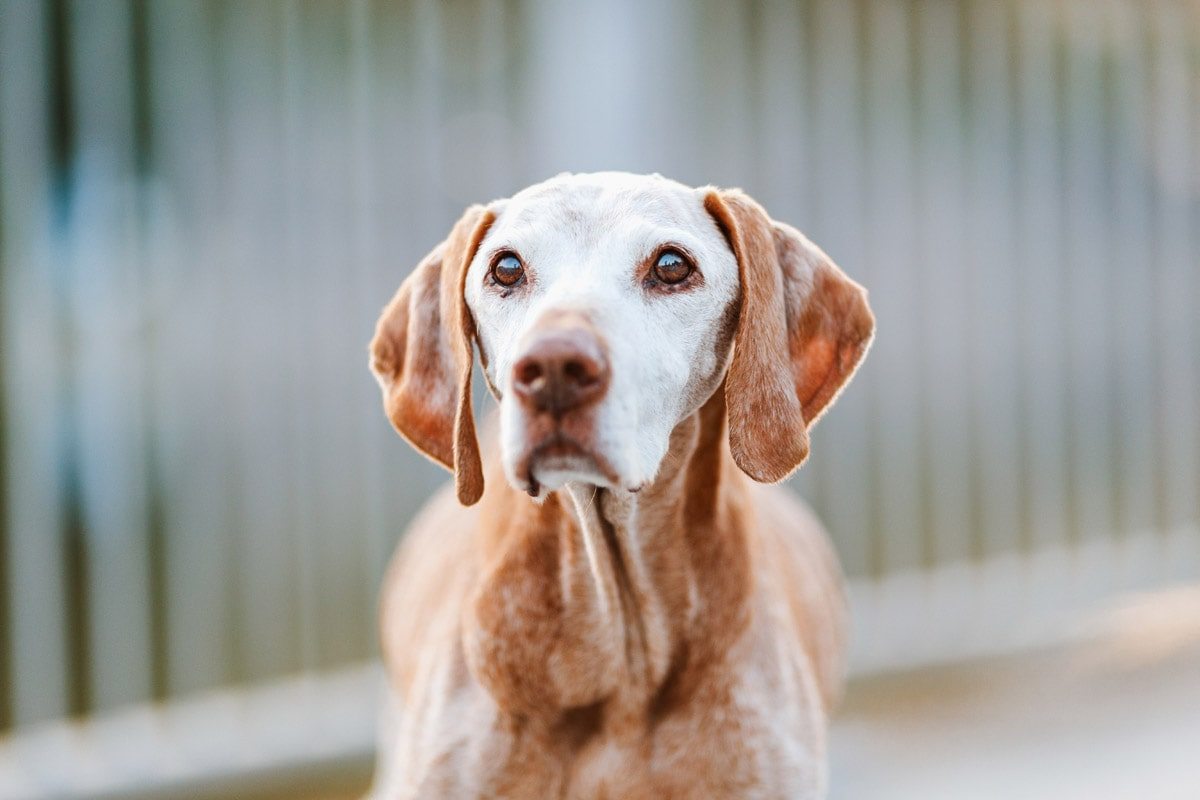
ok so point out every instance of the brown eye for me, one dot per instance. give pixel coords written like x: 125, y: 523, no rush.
x: 507, y: 269
x: 672, y: 267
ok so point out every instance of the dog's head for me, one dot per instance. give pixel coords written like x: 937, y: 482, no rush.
x: 606, y: 309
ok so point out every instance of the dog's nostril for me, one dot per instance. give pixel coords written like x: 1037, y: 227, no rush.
x: 529, y: 372
x: 579, y: 373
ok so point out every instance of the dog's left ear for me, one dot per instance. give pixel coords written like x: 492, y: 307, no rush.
x: 802, y: 331
x: 422, y: 355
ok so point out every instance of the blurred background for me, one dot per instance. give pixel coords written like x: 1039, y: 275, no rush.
x: 204, y: 205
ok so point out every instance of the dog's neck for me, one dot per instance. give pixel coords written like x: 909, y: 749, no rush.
x: 625, y: 597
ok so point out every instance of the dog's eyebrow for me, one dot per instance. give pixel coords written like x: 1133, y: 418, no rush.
x: 655, y: 237
x: 496, y: 250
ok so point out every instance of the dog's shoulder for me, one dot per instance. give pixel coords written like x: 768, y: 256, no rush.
x: 426, y: 583
x: 795, y: 563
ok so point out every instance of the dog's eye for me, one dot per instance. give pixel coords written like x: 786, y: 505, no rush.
x: 507, y: 269
x: 672, y: 267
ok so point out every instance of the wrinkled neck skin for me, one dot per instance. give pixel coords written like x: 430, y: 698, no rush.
x: 615, y: 601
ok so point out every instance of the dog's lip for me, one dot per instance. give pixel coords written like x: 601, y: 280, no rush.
x: 558, y: 445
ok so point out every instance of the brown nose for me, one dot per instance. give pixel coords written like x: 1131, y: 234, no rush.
x: 563, y: 369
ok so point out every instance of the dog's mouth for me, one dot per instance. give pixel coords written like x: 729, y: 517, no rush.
x: 557, y: 458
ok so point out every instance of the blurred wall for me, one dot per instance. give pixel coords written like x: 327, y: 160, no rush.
x: 203, y: 206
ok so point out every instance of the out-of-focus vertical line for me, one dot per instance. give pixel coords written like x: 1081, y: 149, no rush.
x: 1153, y: 565
x: 77, y: 633
x: 363, y: 92
x: 76, y: 630
x: 731, y: 78
x: 782, y: 129
x: 433, y: 215
x: 190, y: 412
x: 1135, y: 353
x: 300, y: 325
x: 1088, y: 305
x: 107, y: 292
x: 868, y: 459
x: 225, y: 304
x: 1177, y: 266
x: 1060, y: 58
x: 941, y: 248
x: 267, y: 302
x: 518, y: 31
x: 495, y: 69
x: 972, y: 267
x: 757, y: 79
x: 62, y: 133
x: 895, y: 419
x: 38, y: 141
x: 1193, y: 30
x: 337, y: 529
x: 862, y: 466
x: 6, y: 461
x: 990, y: 203
x: 1039, y: 269
x: 155, y: 511
x: 140, y: 76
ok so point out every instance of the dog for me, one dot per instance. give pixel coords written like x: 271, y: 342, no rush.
x: 630, y: 610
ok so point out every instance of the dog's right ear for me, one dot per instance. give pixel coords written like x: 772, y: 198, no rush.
x: 422, y: 355
x: 803, y: 329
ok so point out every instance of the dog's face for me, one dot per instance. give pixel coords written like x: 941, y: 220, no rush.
x: 607, y: 308
x: 604, y: 308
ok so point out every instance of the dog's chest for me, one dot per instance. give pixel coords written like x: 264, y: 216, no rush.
x: 749, y: 728
x: 696, y: 757
x: 742, y: 747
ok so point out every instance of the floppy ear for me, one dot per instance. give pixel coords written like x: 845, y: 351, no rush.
x: 422, y: 356
x: 802, y: 331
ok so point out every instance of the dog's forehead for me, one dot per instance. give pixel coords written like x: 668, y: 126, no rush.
x: 585, y: 207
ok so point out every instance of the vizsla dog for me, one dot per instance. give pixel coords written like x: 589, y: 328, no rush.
x: 624, y: 612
